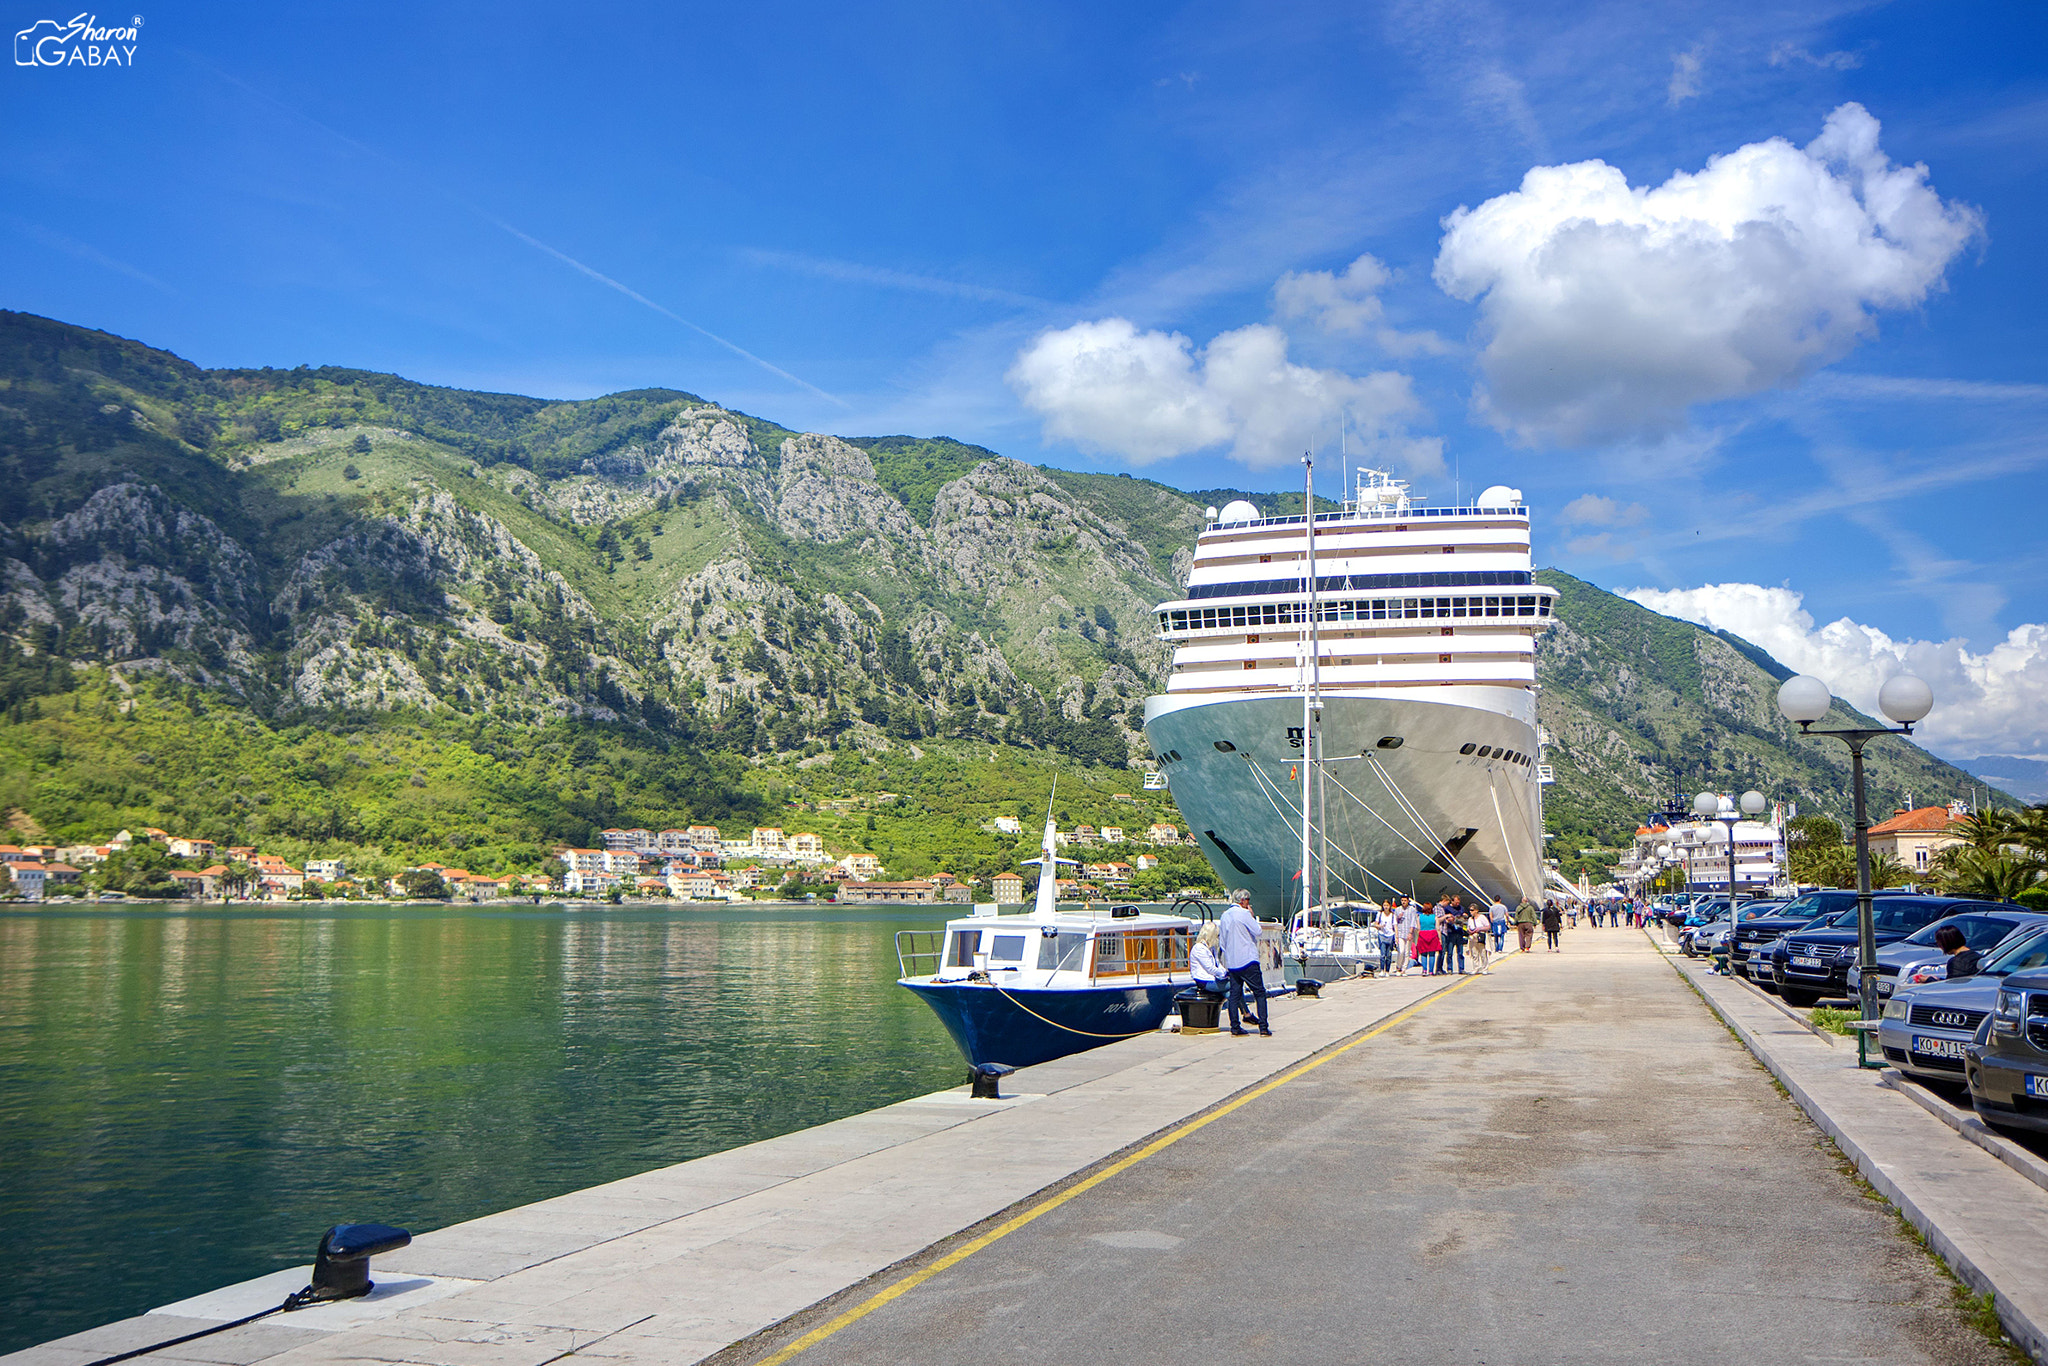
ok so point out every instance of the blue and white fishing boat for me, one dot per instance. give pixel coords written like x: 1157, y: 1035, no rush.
x: 1025, y: 989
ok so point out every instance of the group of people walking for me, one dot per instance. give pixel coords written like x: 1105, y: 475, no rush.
x: 1429, y: 937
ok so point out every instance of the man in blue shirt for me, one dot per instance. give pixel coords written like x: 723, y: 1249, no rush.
x: 1240, y: 946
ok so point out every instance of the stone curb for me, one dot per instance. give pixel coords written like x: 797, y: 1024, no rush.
x: 1970, y: 1127
x: 2032, y: 1337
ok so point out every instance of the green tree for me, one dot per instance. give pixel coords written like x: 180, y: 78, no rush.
x: 423, y: 884
x: 361, y: 445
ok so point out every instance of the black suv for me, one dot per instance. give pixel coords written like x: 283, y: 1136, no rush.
x: 1748, y: 956
x: 1811, y: 963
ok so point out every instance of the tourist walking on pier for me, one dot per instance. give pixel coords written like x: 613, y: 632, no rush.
x: 1389, y: 927
x: 1455, y: 929
x: 1427, y: 941
x: 1409, y: 918
x: 1239, y: 935
x: 1497, y: 920
x: 1525, y: 924
x: 1482, y: 947
x: 1552, y: 923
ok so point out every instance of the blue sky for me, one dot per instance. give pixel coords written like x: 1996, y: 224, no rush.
x: 875, y: 217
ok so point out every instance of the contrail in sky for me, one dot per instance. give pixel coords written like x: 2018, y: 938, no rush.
x: 527, y: 238
x: 670, y: 314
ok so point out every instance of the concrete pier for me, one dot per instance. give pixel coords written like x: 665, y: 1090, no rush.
x: 1570, y: 1160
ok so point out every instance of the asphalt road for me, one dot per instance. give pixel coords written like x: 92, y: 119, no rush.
x: 1567, y: 1161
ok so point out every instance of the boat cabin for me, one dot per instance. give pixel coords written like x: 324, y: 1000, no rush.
x: 1096, y: 948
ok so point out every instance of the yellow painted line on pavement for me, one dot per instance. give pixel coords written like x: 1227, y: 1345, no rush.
x: 1160, y: 1144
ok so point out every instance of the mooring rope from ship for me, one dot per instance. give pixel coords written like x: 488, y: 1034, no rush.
x: 1366, y: 806
x: 1401, y: 798
x: 1266, y: 783
x: 1502, y: 822
x: 1268, y: 787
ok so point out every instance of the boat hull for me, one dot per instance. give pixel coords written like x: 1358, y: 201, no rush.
x: 1243, y: 803
x: 1029, y: 1026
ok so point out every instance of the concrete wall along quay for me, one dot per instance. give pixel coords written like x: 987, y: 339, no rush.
x: 676, y: 1264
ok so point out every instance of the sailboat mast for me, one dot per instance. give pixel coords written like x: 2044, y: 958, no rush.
x: 1311, y: 682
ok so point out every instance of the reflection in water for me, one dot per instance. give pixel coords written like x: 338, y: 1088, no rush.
x: 189, y: 1098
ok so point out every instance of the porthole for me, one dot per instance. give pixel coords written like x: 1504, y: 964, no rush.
x: 1486, y: 751
x: 1467, y: 747
x: 1225, y: 746
x: 1173, y: 754
x: 1390, y: 742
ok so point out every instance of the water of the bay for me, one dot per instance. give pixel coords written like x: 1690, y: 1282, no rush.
x: 189, y: 1097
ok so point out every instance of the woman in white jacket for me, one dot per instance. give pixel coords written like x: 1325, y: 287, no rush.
x: 1204, y: 964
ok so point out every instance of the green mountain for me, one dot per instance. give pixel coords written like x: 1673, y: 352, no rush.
x: 330, y: 609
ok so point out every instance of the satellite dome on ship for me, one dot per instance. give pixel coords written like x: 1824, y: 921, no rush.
x: 1237, y: 511
x: 1499, y: 496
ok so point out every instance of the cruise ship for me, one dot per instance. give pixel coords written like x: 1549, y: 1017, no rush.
x: 1376, y: 664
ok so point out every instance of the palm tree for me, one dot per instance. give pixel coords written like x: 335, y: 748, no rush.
x: 1965, y: 870
x: 1989, y: 830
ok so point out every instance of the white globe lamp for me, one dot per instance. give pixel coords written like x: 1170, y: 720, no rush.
x: 1804, y: 699
x: 1706, y: 804
x: 1905, y: 699
x: 1753, y: 803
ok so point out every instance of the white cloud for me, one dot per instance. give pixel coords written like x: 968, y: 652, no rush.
x: 1685, y: 76
x: 1990, y: 703
x: 1112, y: 389
x: 1784, y: 54
x: 1592, y: 509
x: 1610, y: 309
x: 1349, y: 305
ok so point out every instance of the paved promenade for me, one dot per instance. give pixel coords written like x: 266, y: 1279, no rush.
x: 1570, y: 1160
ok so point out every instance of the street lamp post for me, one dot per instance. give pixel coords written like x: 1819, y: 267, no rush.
x: 1723, y: 810
x: 1905, y: 699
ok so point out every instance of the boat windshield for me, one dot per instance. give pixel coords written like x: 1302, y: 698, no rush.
x: 1062, y: 951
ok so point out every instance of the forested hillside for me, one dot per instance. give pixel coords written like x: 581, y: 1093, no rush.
x: 348, y: 610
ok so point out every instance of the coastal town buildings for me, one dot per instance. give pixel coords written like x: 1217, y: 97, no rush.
x: 1914, y: 837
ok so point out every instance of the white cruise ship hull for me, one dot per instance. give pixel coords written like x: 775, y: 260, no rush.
x: 1388, y: 818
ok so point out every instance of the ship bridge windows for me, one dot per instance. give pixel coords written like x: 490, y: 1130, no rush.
x: 1007, y: 948
x: 966, y: 944
x: 1252, y: 616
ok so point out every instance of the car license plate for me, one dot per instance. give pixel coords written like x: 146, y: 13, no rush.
x: 2037, y: 1086
x: 1806, y: 962
x: 1944, y: 1048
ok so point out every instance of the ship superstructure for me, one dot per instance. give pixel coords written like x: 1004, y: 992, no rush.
x: 1422, y: 689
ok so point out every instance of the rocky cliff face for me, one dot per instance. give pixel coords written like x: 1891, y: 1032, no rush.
x: 325, y: 539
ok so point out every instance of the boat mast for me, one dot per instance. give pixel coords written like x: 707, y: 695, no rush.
x: 1311, y: 682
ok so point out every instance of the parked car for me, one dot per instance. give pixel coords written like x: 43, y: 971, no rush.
x: 2006, y: 1067
x: 1926, y: 1029
x: 1982, y: 931
x: 1749, y: 956
x: 1815, y: 961
x: 1689, y: 937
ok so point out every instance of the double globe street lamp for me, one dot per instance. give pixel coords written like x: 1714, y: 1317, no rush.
x: 1711, y: 806
x: 1906, y: 700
